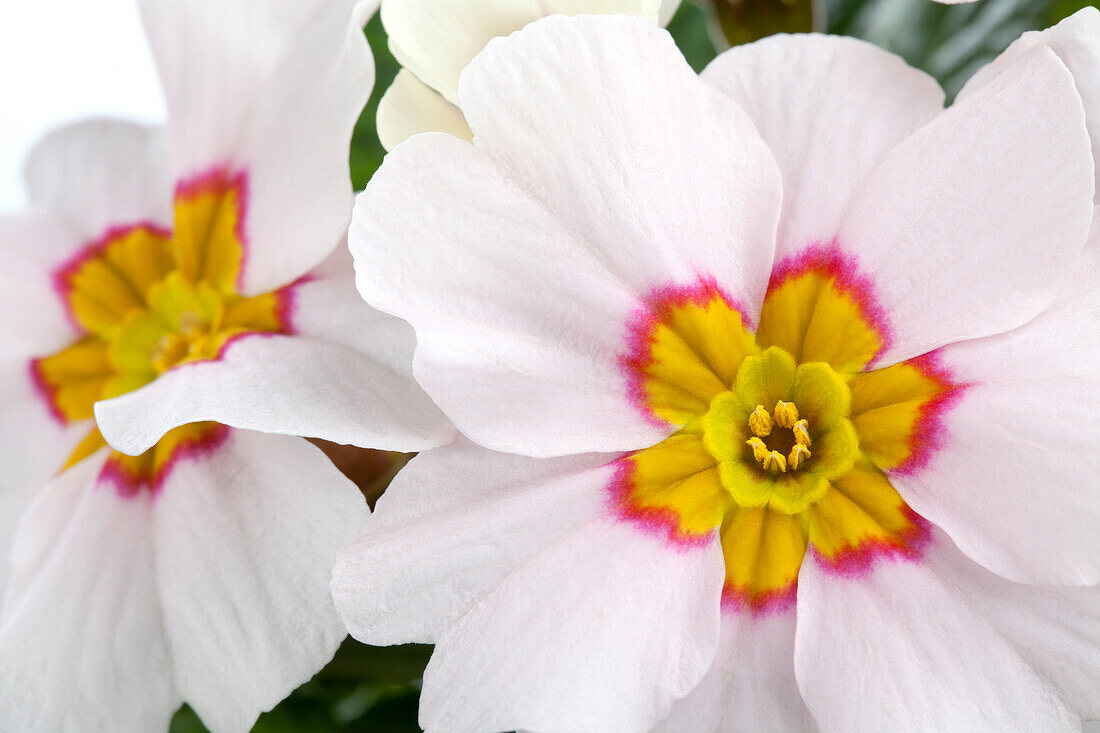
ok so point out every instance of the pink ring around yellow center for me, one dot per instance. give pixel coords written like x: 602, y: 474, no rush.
x: 784, y: 437
x: 148, y: 300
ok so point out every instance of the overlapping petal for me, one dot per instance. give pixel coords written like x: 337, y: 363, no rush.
x: 344, y: 376
x: 751, y: 687
x: 829, y: 107
x: 34, y: 444
x: 436, y: 43
x: 241, y: 80
x: 903, y: 647
x: 1013, y: 481
x: 245, y: 545
x: 1076, y: 40
x: 83, y: 179
x: 484, y: 300
x: 551, y: 612
x: 82, y: 638
x: 101, y: 173
x: 529, y: 262
x: 211, y: 590
x: 451, y: 527
x: 410, y: 107
x: 1055, y: 629
x: 667, y: 10
x: 33, y: 320
x: 659, y: 205
x: 952, y: 218
x: 607, y: 619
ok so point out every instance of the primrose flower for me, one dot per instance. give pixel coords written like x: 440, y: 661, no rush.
x: 191, y: 267
x: 434, y: 41
x: 781, y: 392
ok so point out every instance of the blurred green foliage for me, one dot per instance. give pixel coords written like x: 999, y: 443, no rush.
x: 950, y: 42
x: 366, y: 151
x: 1065, y: 8
x: 376, y: 689
x: 363, y: 689
x: 691, y: 28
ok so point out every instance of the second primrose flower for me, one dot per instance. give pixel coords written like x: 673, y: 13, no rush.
x: 197, y: 276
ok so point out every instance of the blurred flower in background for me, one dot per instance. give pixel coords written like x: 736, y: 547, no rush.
x: 435, y: 41
x: 193, y: 269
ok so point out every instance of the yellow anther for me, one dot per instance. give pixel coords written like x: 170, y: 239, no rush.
x: 760, y: 422
x: 759, y: 450
x: 799, y: 454
x: 775, y: 461
x: 786, y: 414
x: 802, y: 432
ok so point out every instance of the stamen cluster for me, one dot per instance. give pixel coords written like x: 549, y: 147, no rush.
x: 762, y: 423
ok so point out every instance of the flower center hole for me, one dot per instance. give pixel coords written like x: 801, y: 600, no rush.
x: 173, y: 347
x: 780, y: 440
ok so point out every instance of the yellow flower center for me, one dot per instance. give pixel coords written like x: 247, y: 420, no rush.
x: 763, y: 457
x: 147, y: 301
x: 784, y: 439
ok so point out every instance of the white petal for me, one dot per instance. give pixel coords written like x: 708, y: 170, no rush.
x: 829, y: 108
x: 521, y: 295
x: 750, y: 688
x: 512, y: 344
x: 272, y: 89
x: 1054, y: 629
x: 601, y: 631
x: 99, y: 174
x: 665, y: 176
x: 993, y: 197
x: 667, y: 10
x: 452, y: 526
x: 1076, y: 40
x: 1014, y: 479
x: 244, y: 549
x: 33, y: 317
x: 436, y: 41
x: 900, y: 649
x: 82, y: 646
x: 84, y: 179
x: 346, y: 378
x: 34, y: 445
x: 410, y: 107
x: 296, y: 151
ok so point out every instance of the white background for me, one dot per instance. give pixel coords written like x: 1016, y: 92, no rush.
x: 61, y: 60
